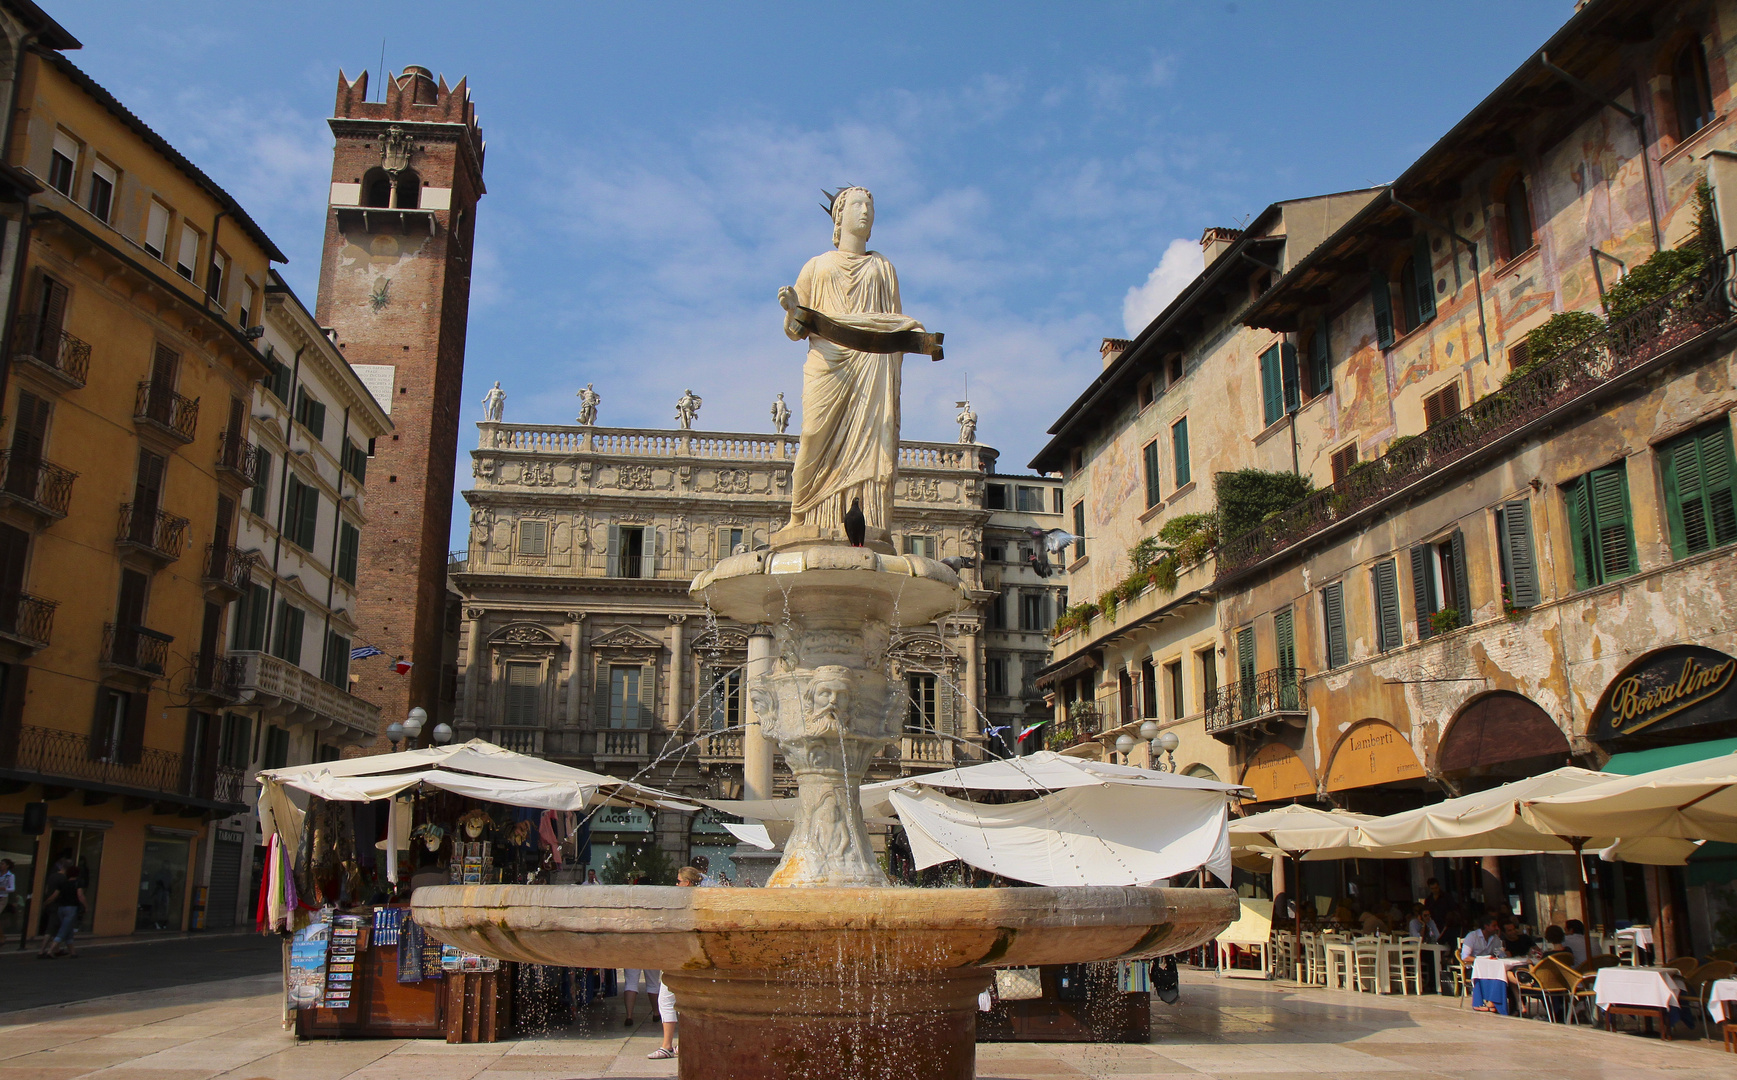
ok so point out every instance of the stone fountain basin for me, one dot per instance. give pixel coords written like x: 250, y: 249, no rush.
x: 887, y: 929
x: 762, y: 586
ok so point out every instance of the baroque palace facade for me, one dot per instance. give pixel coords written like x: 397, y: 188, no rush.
x: 576, y: 638
x: 1513, y: 550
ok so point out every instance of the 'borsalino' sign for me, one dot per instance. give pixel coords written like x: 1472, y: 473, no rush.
x: 1666, y: 691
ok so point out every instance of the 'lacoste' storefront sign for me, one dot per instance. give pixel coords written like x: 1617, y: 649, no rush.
x: 1669, y: 690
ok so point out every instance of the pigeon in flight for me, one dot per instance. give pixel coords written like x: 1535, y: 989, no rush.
x: 1048, y: 540
x: 855, y: 525
x: 956, y: 563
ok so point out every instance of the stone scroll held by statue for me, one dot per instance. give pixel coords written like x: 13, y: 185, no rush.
x: 846, y: 304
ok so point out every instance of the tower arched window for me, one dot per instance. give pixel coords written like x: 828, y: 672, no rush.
x: 377, y: 188
x: 1692, y: 89
x: 409, y: 190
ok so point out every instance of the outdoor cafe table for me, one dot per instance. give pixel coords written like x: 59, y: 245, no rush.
x: 1490, y: 981
x: 1640, y: 991
x: 1440, y: 957
x: 1721, y: 992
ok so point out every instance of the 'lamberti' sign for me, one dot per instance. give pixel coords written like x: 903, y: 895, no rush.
x: 1682, y: 687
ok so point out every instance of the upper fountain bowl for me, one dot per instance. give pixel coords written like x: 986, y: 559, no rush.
x: 762, y: 586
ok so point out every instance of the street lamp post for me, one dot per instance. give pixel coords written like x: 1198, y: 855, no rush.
x: 1165, y: 741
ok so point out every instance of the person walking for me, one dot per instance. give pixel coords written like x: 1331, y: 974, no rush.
x: 8, y: 885
x: 62, y: 896
x: 687, y: 877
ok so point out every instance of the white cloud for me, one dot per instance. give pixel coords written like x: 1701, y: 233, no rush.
x: 1182, y: 262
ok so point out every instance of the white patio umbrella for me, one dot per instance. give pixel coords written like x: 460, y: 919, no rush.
x: 1294, y: 830
x: 1693, y: 801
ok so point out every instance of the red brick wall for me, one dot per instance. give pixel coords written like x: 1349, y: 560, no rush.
x: 420, y: 330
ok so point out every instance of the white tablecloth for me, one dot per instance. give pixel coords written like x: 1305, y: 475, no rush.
x: 1490, y: 967
x: 1724, y: 990
x: 1642, y: 935
x: 1651, y: 986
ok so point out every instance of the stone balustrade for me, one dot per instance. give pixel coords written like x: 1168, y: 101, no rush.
x: 566, y: 439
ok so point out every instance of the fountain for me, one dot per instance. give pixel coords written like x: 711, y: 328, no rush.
x: 830, y: 971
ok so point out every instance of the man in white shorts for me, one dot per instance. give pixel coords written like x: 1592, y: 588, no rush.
x: 688, y: 877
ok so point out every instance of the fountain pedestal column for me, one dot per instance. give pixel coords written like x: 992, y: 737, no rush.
x: 829, y: 1023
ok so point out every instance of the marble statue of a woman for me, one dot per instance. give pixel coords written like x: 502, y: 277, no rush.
x: 850, y: 390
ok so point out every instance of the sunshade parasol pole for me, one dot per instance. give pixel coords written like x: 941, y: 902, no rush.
x: 1585, y: 907
x: 1296, y: 903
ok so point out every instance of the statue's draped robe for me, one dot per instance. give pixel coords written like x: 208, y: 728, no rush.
x: 850, y: 399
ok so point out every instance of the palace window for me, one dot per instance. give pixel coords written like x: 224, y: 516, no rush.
x: 1438, y: 582
x: 1519, y: 566
x: 925, y: 711
x: 995, y: 676
x: 522, y: 692
x: 1601, y: 524
x: 1700, y: 489
x: 625, y: 707
x: 724, y: 698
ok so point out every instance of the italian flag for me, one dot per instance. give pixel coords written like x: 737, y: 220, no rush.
x: 1029, y: 728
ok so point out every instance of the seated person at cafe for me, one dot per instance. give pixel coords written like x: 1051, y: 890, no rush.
x: 1575, y: 939
x: 1486, y: 940
x: 1372, y: 923
x: 1422, y: 925
x: 1553, y: 944
x: 1513, y: 940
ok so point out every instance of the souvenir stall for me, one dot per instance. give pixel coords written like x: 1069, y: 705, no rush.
x: 369, y: 831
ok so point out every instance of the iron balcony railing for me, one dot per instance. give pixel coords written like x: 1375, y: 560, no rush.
x: 228, y: 568
x: 162, y: 407
x: 52, y: 348
x: 135, y: 648
x: 1269, y: 694
x: 1687, y: 313
x: 43, y: 484
x: 26, y: 618
x: 217, y: 675
x: 73, y: 756
x: 155, y: 531
x: 238, y: 456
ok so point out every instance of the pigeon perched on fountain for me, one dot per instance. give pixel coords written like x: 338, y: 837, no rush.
x: 957, y: 563
x: 855, y: 525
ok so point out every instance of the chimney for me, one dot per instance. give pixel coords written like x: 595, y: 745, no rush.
x: 1112, y: 348
x: 1215, y: 241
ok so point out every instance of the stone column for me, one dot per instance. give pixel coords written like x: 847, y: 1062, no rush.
x: 472, y: 664
x: 677, y: 663
x: 576, y: 649
x: 973, y: 677
x: 757, y: 747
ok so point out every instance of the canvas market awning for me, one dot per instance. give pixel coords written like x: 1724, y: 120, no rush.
x: 1696, y: 800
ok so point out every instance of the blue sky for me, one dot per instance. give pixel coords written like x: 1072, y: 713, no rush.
x: 1041, y: 171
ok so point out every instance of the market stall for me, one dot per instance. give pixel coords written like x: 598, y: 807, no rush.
x: 340, y: 871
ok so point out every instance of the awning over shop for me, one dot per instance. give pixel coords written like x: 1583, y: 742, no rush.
x: 1664, y: 757
x: 1275, y: 773
x: 1498, y: 728
x: 1371, y: 752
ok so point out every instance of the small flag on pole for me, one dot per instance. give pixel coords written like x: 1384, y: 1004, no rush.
x: 1029, y: 728
x: 402, y: 666
x: 365, y: 651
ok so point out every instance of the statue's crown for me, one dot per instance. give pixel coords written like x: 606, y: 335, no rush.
x: 831, y: 203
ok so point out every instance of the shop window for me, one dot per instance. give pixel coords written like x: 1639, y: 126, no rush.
x: 1438, y: 585
x: 1149, y: 456
x: 1441, y: 405
x: 1692, y: 89
x: 1344, y: 460
x: 1519, y: 566
x: 63, y: 163
x: 1333, y: 621
x: 1700, y: 489
x: 995, y: 676
x: 523, y: 688
x: 925, y: 710
x: 1184, y: 473
x: 995, y: 497
x: 1384, y: 578
x: 1601, y: 526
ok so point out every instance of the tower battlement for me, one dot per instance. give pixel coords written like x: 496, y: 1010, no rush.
x: 413, y: 95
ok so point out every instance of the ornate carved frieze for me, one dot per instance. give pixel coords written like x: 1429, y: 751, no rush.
x: 634, y: 477
x: 523, y: 634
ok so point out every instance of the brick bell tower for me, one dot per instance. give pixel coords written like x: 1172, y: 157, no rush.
x: 395, y: 289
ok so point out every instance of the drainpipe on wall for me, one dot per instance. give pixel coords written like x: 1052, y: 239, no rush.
x: 1640, y: 129
x: 1477, y: 280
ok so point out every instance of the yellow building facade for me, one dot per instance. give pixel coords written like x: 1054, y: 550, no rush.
x: 130, y: 362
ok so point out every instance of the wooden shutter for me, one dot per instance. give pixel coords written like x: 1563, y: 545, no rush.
x: 132, y: 748
x: 1272, y: 386
x: 1179, y: 444
x: 225, y: 520
x: 523, y: 686
x: 1462, y: 588
x: 648, y: 552
x: 612, y: 553
x: 1423, y: 268
x: 51, y: 301
x: 1610, y: 510
x: 30, y: 431
x: 1288, y: 371
x: 647, y: 695
x: 1517, y: 545
x: 1333, y: 616
x: 1382, y: 302
x: 1580, y: 530
x: 1245, y: 655
x: 1343, y: 460
x: 147, y: 493
x: 261, y: 493
x: 163, y: 364
x: 601, y: 689
x: 1320, y: 360
x: 130, y: 612
x: 1699, y: 497
x: 1422, y: 590
x: 1386, y: 577
x: 308, y: 527
x: 14, y: 556
x: 1284, y: 636
x: 349, y: 544
x: 1150, y: 454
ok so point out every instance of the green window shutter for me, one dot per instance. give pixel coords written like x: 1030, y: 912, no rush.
x: 1272, y: 386
x: 1245, y: 655
x: 600, y: 691
x: 1293, y: 386
x: 1699, y: 496
x: 1720, y: 468
x: 1079, y: 530
x: 1610, y: 510
x: 349, y: 542
x: 1517, y: 546
x: 1151, y: 456
x: 1285, y: 637
x: 257, y: 500
x: 1422, y: 590
x: 1424, y: 269
x: 1382, y: 302
x: 1320, y: 360
x: 1580, y: 530
x: 1462, y: 587
x: 1386, y: 577
x: 1179, y: 448
x: 1333, y: 616
x: 307, y: 529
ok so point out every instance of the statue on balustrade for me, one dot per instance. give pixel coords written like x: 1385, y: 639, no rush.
x: 588, y: 402
x: 687, y: 407
x: 780, y: 415
x: 494, y: 404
